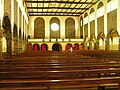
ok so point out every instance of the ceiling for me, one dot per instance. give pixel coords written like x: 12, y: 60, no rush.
x: 58, y: 7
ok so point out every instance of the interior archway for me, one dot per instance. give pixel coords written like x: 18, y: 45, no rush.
x: 29, y: 47
x: 76, y: 46
x: 7, y: 27
x: 44, y: 47
x: 86, y: 43
x: 113, y: 41
x: 57, y: 47
x: 36, y: 47
x: 68, y: 46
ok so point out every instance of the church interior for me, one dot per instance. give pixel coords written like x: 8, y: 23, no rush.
x: 60, y: 45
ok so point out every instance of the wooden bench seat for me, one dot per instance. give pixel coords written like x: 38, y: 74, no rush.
x: 59, y: 71
x: 63, y: 83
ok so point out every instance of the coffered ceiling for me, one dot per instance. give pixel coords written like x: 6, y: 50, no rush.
x: 58, y: 7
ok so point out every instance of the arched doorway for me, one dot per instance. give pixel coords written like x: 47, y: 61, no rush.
x: 29, y: 47
x: 44, y: 47
x: 7, y: 27
x: 92, y: 43
x: 36, y: 47
x: 68, y: 46
x: 112, y: 42
x: 86, y: 43
x: 57, y: 47
x: 82, y: 46
x: 101, y: 41
x: 76, y: 46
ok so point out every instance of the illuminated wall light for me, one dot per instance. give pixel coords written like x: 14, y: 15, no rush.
x: 54, y: 27
x: 22, y: 9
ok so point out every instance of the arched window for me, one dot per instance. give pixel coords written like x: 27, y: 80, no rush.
x: 100, y: 18
x: 54, y: 28
x: 100, y: 10
x: 112, y: 5
x: 39, y: 28
x: 92, y: 22
x: 7, y: 28
x: 69, y: 28
x: 81, y: 27
x: 112, y: 12
x: 85, y: 25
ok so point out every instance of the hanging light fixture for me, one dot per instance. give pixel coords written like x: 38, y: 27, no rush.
x: 54, y: 27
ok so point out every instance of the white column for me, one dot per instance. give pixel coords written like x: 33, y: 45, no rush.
x: 83, y: 28
x: 47, y: 28
x: 12, y: 24
x: 118, y: 17
x: 62, y: 28
x: 118, y: 22
x: 12, y: 15
x: 21, y: 26
x: 88, y: 25
x: 2, y: 11
x: 96, y: 30
x: 18, y: 23
x: 77, y: 28
x: 105, y: 19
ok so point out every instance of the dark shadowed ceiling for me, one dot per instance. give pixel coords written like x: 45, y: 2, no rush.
x: 58, y: 7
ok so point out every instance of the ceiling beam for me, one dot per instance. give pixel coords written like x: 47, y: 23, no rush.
x: 55, y: 8
x: 57, y: 12
x: 66, y: 2
x: 51, y: 15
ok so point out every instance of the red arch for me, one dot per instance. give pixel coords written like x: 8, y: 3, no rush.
x: 36, y: 47
x: 44, y: 47
x: 68, y: 46
x: 76, y: 46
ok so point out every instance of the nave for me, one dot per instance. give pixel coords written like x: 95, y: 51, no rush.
x: 53, y: 70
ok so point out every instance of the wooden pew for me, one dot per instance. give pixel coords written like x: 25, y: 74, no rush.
x: 47, y: 74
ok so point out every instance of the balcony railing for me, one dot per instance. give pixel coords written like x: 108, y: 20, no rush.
x: 55, y: 40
